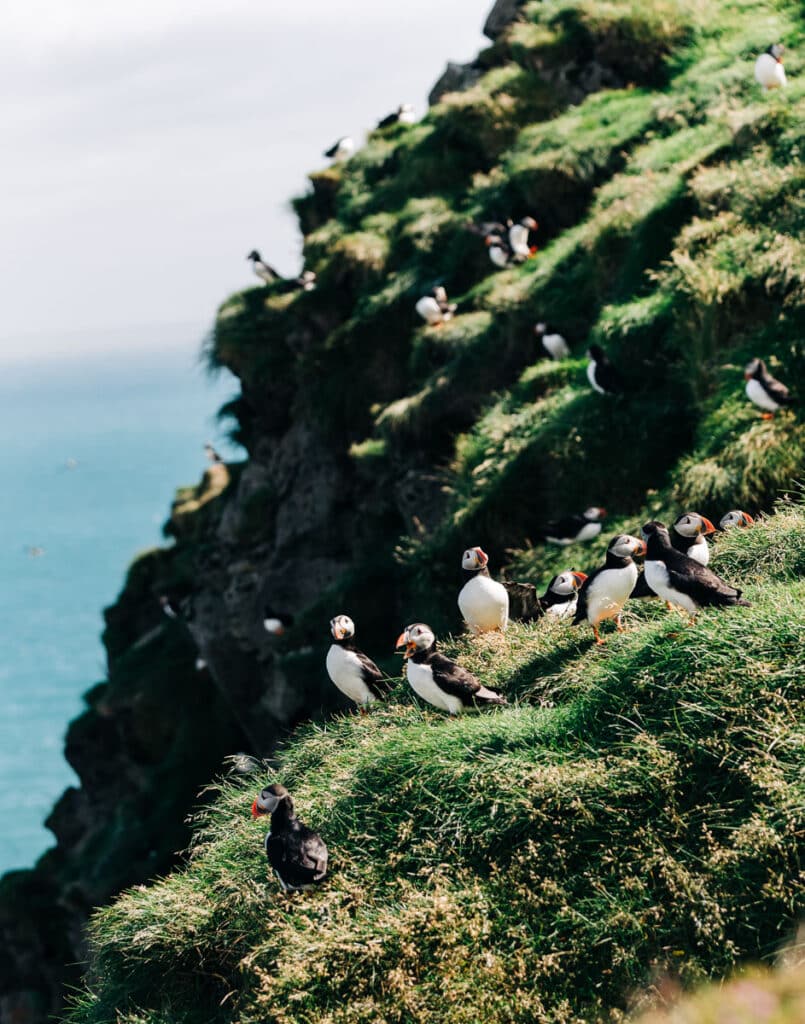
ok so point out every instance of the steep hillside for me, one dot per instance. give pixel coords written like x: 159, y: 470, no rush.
x: 636, y: 806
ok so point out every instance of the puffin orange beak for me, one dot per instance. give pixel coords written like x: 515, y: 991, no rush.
x: 579, y: 577
x: 256, y: 812
x: 748, y: 519
x: 707, y: 527
x: 401, y: 642
x: 747, y: 376
x: 642, y: 549
x: 483, y: 556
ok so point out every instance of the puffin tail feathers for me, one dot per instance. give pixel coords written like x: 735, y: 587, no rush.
x: 487, y: 696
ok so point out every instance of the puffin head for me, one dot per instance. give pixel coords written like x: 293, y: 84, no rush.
x: 735, y: 518
x: 530, y: 223
x: 566, y: 583
x: 596, y: 353
x: 654, y: 529
x: 405, y: 108
x: 777, y: 50
x: 755, y: 368
x: 474, y: 559
x: 595, y: 514
x: 269, y: 800
x: 342, y: 627
x: 253, y: 255
x: 626, y: 546
x: 439, y: 293
x: 691, y: 524
x: 416, y: 637
x: 540, y: 328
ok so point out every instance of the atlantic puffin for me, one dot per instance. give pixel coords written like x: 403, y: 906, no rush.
x: 764, y: 391
x: 296, y: 853
x: 262, y: 269
x: 482, y: 601
x: 769, y: 70
x: 605, y: 591
x: 275, y: 622
x: 680, y: 580
x: 688, y: 535
x: 404, y: 114
x: 519, y: 239
x: 355, y: 674
x: 499, y: 251
x: 341, y: 150
x: 602, y: 375
x: 437, y: 679
x: 434, y: 308
x: 735, y: 518
x: 554, y: 344
x: 576, y: 528
x: 558, y: 601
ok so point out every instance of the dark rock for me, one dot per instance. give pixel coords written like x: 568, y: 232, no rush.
x: 501, y: 16
x: 455, y: 78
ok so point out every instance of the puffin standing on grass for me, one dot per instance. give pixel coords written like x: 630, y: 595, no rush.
x: 576, y: 528
x: 558, y: 601
x: 604, y: 593
x: 296, y: 853
x: 680, y: 580
x: 275, y: 622
x: 602, y: 375
x: 735, y: 518
x: 435, y: 309
x: 437, y: 679
x: 265, y: 272
x: 554, y: 344
x: 519, y: 243
x: 499, y: 251
x: 354, y: 674
x: 765, y: 391
x: 404, y: 114
x: 688, y: 536
x: 769, y: 70
x: 340, y: 150
x: 483, y: 602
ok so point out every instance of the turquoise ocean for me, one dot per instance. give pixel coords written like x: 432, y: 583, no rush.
x: 92, y: 448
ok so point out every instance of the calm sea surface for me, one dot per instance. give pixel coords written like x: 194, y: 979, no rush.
x: 91, y: 450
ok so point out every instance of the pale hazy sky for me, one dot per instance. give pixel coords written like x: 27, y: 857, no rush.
x: 147, y: 148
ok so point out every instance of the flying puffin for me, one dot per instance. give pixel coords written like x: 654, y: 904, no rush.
x: 602, y: 375
x: 769, y: 70
x: 681, y: 581
x: 483, y: 603
x: 519, y: 239
x: 604, y: 593
x: 297, y: 854
x: 262, y: 269
x: 275, y: 622
x: 735, y: 518
x: 341, y: 150
x: 435, y: 309
x: 499, y: 251
x: 688, y: 535
x: 554, y: 344
x: 355, y: 675
x: 404, y: 114
x: 764, y: 391
x: 577, y: 528
x: 437, y: 679
x: 558, y: 601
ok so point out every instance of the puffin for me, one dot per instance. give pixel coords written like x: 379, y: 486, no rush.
x: 576, y: 528
x: 769, y: 70
x: 499, y: 251
x: 275, y: 622
x: 605, y: 591
x: 688, y: 535
x: 262, y: 269
x: 435, y: 309
x: 404, y: 114
x: 602, y: 375
x: 483, y: 602
x: 519, y: 239
x: 735, y: 518
x: 488, y: 227
x: 558, y: 601
x: 342, y: 149
x: 680, y: 580
x: 355, y: 674
x: 437, y: 679
x: 765, y: 391
x: 554, y: 344
x: 296, y: 853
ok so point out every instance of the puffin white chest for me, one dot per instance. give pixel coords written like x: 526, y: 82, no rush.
x: 589, y: 531
x: 428, y: 309
x: 699, y: 552
x: 591, y: 368
x: 609, y: 591
x: 769, y: 72
x: 484, y: 604
x: 556, y: 346
x: 518, y: 239
x: 344, y: 668
x: 420, y: 678
x: 657, y: 579
x: 756, y: 393
x: 565, y: 610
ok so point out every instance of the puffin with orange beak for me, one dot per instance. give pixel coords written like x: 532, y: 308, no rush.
x: 483, y: 602
x: 352, y: 671
x: 604, y: 593
x: 296, y: 853
x: 735, y: 518
x: 688, y: 535
x: 437, y: 679
x: 558, y: 601
x: 519, y: 241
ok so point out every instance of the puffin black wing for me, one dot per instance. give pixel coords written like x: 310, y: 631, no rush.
x: 371, y: 674
x: 701, y: 583
x: 458, y: 682
x: 581, y: 600
x: 608, y: 377
x: 333, y: 149
x: 388, y: 121
x: 298, y: 855
x: 641, y: 588
x: 776, y: 390
x: 566, y: 528
x: 525, y: 604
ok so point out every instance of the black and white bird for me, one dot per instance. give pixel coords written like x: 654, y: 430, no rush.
x: 605, y: 591
x: 575, y: 528
x: 482, y: 601
x: 435, y: 309
x: 499, y: 251
x: 488, y: 227
x: 519, y: 239
x: 296, y: 853
x: 765, y: 391
x: 769, y: 70
x: 262, y: 269
x: 437, y: 679
x: 554, y: 344
x: 602, y: 375
x: 340, y: 150
x: 558, y: 601
x: 404, y: 114
x: 355, y: 674
x: 689, y: 533
x: 735, y: 518
x: 680, y: 580
x: 275, y: 622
